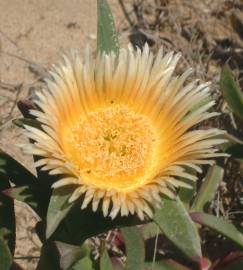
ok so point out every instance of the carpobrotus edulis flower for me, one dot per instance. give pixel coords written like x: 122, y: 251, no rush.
x: 119, y: 128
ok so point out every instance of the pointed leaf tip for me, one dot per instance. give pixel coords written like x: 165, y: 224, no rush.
x: 208, y: 188
x: 219, y: 225
x: 105, y: 261
x: 135, y: 256
x: 231, y: 91
x: 175, y: 222
x: 107, y: 38
x: 58, y: 208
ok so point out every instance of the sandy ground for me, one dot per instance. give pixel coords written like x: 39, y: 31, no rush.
x: 36, y: 31
x: 33, y: 32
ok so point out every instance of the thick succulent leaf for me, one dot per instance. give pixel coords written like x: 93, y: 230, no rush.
x: 168, y: 264
x: 5, y: 255
x: 149, y: 230
x: 58, y: 208
x: 43, y: 176
x: 14, y: 171
x: 21, y: 122
x: 175, y: 222
x: 231, y: 91
x: 107, y: 39
x: 7, y: 217
x: 186, y: 194
x: 34, y: 195
x: 85, y: 264
x: 209, y: 187
x: 70, y: 255
x: 234, y: 147
x: 219, y: 225
x: 135, y: 249
x: 105, y: 261
x: 79, y: 225
x: 24, y: 106
x: 235, y: 150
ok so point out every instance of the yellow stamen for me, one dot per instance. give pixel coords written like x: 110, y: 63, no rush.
x: 112, y: 147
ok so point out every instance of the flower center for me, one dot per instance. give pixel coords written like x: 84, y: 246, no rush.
x: 112, y: 148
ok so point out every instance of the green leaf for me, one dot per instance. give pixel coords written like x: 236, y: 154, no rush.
x: 186, y: 194
x: 14, y: 171
x: 7, y: 217
x: 219, y: 225
x: 231, y: 91
x: 85, y: 264
x: 107, y: 39
x: 135, y: 249
x: 43, y: 176
x: 199, y: 104
x: 5, y: 255
x: 105, y: 262
x: 21, y: 122
x: 149, y: 230
x: 235, y: 150
x: 58, y: 208
x: 80, y: 225
x: 209, y: 187
x: 34, y: 195
x: 234, y: 147
x: 168, y: 264
x: 176, y: 224
x: 70, y: 255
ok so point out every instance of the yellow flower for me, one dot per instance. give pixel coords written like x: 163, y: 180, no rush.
x: 120, y: 129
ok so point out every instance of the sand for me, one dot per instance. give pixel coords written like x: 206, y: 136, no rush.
x: 37, y: 32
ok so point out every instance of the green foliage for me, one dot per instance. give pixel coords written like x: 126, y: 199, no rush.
x: 79, y: 225
x: 7, y: 217
x: 209, y: 187
x: 58, y: 255
x: 64, y: 227
x: 149, y: 230
x: 231, y: 91
x: 107, y: 39
x: 14, y: 171
x: 85, y: 263
x: 58, y: 208
x: 33, y: 195
x: 219, y: 225
x: 166, y: 265
x: 175, y: 222
x: 69, y: 254
x: 105, y: 262
x: 185, y: 194
x: 135, y: 249
x: 5, y: 255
